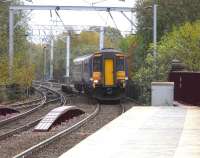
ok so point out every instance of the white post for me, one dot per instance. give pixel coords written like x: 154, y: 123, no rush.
x: 45, y: 61
x: 67, y: 56
x: 132, y: 22
x: 101, y: 38
x: 154, y: 28
x: 51, y: 60
x: 11, y: 43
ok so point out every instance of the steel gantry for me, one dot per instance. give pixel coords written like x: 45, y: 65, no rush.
x: 12, y: 10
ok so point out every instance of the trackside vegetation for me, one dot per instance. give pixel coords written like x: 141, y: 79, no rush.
x: 183, y: 43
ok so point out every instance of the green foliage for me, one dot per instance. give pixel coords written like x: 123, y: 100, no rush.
x: 85, y: 43
x: 22, y: 69
x: 152, y: 70
x: 113, y: 37
x: 175, y: 40
x: 170, y: 13
x: 183, y: 44
x: 37, y: 59
x: 23, y: 74
x: 20, y: 30
x: 3, y: 70
x: 128, y: 45
x: 127, y: 42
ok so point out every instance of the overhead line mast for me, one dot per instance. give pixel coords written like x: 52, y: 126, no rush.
x: 78, y: 8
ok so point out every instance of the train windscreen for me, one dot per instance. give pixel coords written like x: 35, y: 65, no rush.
x: 120, y: 63
x: 97, y: 64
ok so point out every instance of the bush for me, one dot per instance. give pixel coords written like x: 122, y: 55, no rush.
x: 182, y: 44
x: 152, y: 70
x: 23, y: 74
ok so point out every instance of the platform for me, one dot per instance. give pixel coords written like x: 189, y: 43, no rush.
x: 145, y: 132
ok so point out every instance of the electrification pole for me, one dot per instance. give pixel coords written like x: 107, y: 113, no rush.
x: 67, y: 56
x: 101, y: 38
x: 11, y: 43
x: 45, y: 61
x: 154, y: 27
x: 51, y: 60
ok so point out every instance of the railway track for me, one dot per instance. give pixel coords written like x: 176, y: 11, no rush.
x: 24, y: 121
x: 23, y: 114
x: 27, y: 103
x: 63, y: 139
x: 20, y: 142
x: 44, y: 143
x: 29, y: 152
x: 21, y: 108
x: 21, y: 137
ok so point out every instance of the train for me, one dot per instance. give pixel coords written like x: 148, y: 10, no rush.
x: 102, y: 74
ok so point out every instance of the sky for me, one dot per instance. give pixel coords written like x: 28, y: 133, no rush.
x: 82, y: 17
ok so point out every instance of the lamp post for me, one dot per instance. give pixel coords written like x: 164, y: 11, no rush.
x: 154, y: 28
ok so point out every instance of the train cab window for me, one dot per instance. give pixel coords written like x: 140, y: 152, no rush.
x: 97, y: 64
x: 120, y: 63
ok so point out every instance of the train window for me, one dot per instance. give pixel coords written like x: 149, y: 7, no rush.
x: 120, y: 63
x: 97, y: 64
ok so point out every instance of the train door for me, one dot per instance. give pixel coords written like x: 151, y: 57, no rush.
x: 109, y: 80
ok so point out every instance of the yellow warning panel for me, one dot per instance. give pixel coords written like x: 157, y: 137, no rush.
x: 109, y: 72
x: 121, y: 75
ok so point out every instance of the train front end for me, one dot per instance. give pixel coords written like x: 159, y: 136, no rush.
x: 109, y: 75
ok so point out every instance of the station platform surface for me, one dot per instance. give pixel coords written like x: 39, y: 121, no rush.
x: 145, y: 132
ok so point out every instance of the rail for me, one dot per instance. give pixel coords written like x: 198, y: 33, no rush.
x: 58, y: 135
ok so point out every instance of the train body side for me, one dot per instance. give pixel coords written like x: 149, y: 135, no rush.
x: 82, y: 71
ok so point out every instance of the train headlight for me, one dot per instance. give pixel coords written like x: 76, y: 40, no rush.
x: 96, y: 81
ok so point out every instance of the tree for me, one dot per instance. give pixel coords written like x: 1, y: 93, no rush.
x: 112, y: 37
x: 183, y: 44
x: 23, y: 70
x: 20, y: 41
x: 128, y: 45
x: 3, y: 70
x: 37, y: 59
x: 170, y: 13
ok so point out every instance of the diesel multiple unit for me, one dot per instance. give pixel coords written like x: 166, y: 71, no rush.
x: 102, y: 74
